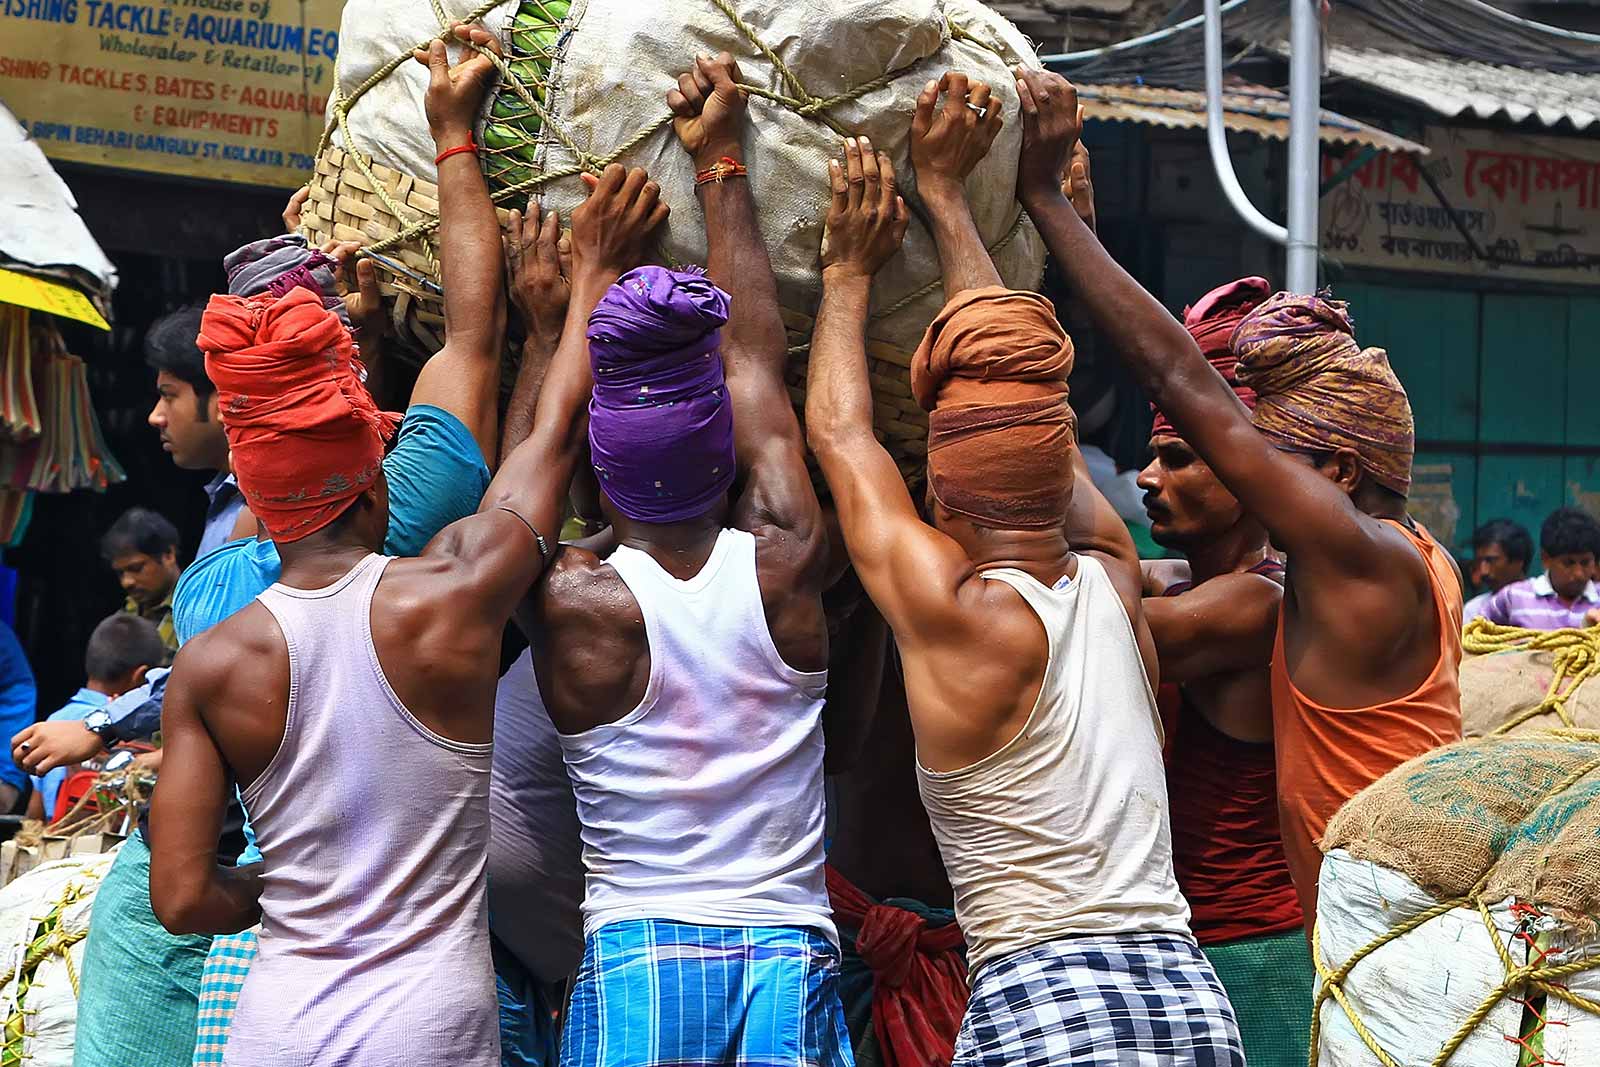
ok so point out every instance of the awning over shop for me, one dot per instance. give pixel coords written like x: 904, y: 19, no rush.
x: 41, y: 233
x: 1455, y: 88
x: 1246, y: 108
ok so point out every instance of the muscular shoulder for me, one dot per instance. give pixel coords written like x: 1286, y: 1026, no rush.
x: 590, y: 649
x: 791, y: 560
x: 580, y: 585
x: 238, y: 655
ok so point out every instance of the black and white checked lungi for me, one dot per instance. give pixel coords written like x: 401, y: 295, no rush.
x: 1139, y: 1000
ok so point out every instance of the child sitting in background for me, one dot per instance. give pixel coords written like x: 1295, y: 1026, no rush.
x: 121, y: 650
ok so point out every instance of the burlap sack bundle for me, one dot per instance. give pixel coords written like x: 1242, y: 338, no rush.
x: 584, y: 84
x: 1446, y: 818
x: 1457, y: 907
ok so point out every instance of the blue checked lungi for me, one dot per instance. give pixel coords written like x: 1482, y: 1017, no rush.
x: 1137, y: 1000
x: 226, y: 965
x: 656, y: 992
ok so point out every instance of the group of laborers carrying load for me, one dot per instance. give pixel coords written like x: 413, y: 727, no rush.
x: 1455, y: 915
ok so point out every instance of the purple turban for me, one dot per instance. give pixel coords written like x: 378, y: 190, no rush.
x: 660, y: 425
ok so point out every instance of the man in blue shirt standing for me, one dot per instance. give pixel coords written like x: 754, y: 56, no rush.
x: 122, y: 649
x: 18, y: 700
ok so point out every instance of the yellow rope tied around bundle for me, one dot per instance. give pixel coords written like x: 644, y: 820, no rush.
x: 1521, y: 980
x: 49, y: 939
x: 1575, y: 658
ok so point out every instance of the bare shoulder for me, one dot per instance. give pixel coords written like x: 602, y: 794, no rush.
x: 236, y: 678
x: 1162, y: 574
x: 790, y: 559
x: 580, y: 583
x: 591, y: 654
x: 212, y: 656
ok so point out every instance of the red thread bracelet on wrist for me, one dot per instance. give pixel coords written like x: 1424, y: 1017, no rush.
x: 726, y: 167
x: 456, y: 151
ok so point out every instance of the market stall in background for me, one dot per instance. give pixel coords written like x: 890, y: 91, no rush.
x: 179, y: 131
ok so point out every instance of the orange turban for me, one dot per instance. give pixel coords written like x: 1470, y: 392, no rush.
x: 1318, y: 390
x: 305, y: 434
x: 992, y: 373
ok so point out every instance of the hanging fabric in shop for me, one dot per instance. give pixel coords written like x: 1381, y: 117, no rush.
x: 50, y: 439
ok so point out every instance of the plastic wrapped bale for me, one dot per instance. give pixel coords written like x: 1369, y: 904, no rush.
x: 1522, y: 681
x: 1457, y: 907
x: 585, y: 84
x: 44, y: 919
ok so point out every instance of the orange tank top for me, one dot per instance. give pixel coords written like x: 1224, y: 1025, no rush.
x: 1328, y: 755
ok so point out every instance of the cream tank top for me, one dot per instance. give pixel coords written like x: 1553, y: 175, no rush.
x: 1064, y: 831
x: 374, y: 833
x: 704, y: 804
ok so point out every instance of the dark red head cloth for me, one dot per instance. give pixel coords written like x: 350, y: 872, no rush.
x: 305, y: 434
x: 1211, y: 321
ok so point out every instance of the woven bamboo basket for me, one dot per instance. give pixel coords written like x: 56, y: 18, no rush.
x: 528, y: 152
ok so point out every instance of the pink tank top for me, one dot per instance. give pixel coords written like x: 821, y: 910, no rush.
x: 374, y: 832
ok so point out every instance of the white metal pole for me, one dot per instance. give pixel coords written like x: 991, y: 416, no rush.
x: 1217, y: 134
x: 1305, y: 120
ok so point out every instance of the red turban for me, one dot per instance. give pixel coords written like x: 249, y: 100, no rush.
x: 305, y: 434
x: 1211, y: 322
x: 992, y: 374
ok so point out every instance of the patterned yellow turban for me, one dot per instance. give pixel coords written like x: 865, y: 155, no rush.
x: 1319, y: 390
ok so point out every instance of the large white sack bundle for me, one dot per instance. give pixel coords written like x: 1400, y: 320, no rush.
x: 44, y: 920
x: 1457, y: 908
x: 586, y: 86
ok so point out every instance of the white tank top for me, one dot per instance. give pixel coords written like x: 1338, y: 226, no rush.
x: 1064, y: 830
x: 374, y: 833
x: 704, y: 804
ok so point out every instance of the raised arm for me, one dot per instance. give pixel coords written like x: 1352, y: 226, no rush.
x: 910, y: 570
x: 946, y: 144
x: 497, y: 551
x: 463, y: 378
x: 539, y: 272
x: 709, y: 117
x: 189, y: 892
x: 1307, y: 514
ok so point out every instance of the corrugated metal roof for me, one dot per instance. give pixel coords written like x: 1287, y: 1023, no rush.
x: 1450, y: 57
x: 1456, y: 87
x: 1246, y: 108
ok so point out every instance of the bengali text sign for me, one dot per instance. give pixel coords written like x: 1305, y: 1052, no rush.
x: 227, y: 90
x: 1518, y: 207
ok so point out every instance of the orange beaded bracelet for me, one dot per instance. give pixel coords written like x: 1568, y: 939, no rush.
x: 726, y: 167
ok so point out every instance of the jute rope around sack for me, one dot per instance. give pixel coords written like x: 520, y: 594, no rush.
x: 1575, y: 658
x: 799, y: 100
x: 1536, y: 977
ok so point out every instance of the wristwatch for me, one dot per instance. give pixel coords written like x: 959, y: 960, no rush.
x: 99, y: 723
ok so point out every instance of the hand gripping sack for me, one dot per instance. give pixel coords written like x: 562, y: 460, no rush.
x: 44, y: 919
x: 1457, y: 907
x: 584, y: 84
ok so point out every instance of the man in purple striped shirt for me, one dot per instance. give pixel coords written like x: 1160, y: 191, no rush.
x: 1564, y: 594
